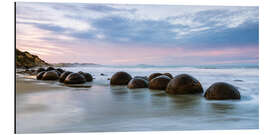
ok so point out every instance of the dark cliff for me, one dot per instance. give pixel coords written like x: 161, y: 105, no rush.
x: 27, y: 60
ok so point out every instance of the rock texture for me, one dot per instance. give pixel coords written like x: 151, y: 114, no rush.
x: 137, y: 83
x: 60, y: 70
x: 222, y: 91
x: 120, y: 78
x: 40, y: 75
x: 87, y: 76
x: 159, y: 83
x: 154, y: 75
x: 142, y: 77
x: 63, y: 76
x: 75, y: 78
x: 27, y: 60
x: 50, y: 75
x: 184, y: 84
x: 40, y: 70
x: 50, y: 68
x: 169, y: 75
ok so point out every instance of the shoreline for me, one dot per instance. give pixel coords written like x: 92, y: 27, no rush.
x: 27, y: 84
x: 95, y: 109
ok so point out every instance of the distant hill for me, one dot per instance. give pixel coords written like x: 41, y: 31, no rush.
x: 145, y: 65
x: 25, y: 59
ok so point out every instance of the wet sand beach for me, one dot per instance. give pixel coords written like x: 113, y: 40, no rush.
x: 49, y: 107
x: 28, y: 85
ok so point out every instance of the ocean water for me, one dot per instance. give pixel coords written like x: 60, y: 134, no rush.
x: 105, y: 108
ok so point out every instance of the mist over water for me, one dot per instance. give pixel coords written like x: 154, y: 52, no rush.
x: 105, y: 108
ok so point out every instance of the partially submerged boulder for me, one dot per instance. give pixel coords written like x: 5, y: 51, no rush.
x: 50, y: 75
x: 120, y: 78
x: 137, y: 83
x: 87, y: 76
x: 222, y: 91
x: 75, y: 78
x: 154, y: 75
x: 57, y: 72
x: 169, y: 75
x: 60, y: 70
x: 63, y: 76
x: 184, y: 84
x: 102, y: 74
x: 40, y: 70
x: 49, y: 68
x: 40, y: 75
x: 142, y: 77
x: 159, y: 83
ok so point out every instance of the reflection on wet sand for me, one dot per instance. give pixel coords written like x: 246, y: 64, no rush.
x: 116, y: 108
x: 222, y: 108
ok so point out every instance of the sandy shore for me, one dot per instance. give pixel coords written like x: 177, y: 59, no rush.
x: 26, y: 84
x: 51, y: 107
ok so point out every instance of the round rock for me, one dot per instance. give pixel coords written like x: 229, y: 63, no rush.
x: 57, y: 72
x: 40, y: 70
x: 50, y: 68
x: 154, y: 75
x: 63, y: 76
x: 159, y: 83
x: 50, y: 75
x: 184, y: 84
x: 87, y: 76
x: 137, y: 83
x: 75, y: 78
x: 142, y: 77
x: 169, y: 75
x: 120, y: 78
x: 40, y: 75
x: 60, y: 70
x: 222, y: 91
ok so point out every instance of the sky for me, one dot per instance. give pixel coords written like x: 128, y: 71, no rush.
x: 124, y: 34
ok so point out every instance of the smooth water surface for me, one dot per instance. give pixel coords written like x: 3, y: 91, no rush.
x: 105, y: 108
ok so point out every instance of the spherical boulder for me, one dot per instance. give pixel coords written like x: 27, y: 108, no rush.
x: 40, y: 70
x: 142, y: 77
x: 120, y: 78
x: 63, y: 76
x: 137, y: 83
x: 75, y: 78
x: 49, y: 68
x: 169, y: 75
x: 57, y: 72
x: 87, y: 76
x: 60, y: 70
x: 154, y: 75
x: 159, y: 83
x: 40, y: 75
x: 50, y: 75
x: 184, y: 84
x: 222, y: 91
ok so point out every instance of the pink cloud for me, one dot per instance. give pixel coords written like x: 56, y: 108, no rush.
x: 30, y: 38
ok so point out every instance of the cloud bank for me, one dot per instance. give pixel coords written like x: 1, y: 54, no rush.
x: 135, y: 34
